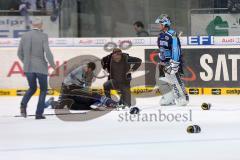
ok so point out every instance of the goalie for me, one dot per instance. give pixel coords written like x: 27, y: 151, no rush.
x: 170, y: 55
x: 76, y: 94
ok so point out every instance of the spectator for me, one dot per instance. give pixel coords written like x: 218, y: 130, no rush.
x: 234, y: 6
x: 55, y: 9
x: 29, y: 4
x: 139, y: 28
x: 24, y: 8
x: 49, y: 5
x: 33, y: 4
x: 39, y: 4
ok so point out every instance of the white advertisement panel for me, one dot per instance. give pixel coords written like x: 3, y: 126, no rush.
x: 12, y: 75
x: 153, y: 41
x: 230, y: 40
x: 59, y: 42
x: 15, y: 26
x: 9, y: 42
x: 138, y: 41
x: 90, y: 42
x: 94, y: 42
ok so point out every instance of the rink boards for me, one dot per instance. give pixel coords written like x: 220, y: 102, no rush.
x: 211, y: 63
x: 137, y: 92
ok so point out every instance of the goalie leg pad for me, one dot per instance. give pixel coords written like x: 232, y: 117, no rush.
x: 166, y: 90
x: 179, y: 90
x: 167, y: 99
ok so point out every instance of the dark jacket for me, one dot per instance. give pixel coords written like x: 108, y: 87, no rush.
x: 129, y: 60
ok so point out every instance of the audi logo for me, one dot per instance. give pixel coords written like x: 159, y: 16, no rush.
x: 124, y: 45
x: 108, y: 47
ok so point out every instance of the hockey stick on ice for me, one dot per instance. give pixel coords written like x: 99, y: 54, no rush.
x: 53, y: 114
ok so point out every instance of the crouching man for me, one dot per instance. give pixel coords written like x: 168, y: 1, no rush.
x: 120, y: 65
x: 76, y: 93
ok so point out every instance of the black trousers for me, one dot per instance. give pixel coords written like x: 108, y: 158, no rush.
x: 122, y: 87
x: 76, y: 98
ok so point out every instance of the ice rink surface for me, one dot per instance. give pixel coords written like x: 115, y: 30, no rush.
x: 108, y: 137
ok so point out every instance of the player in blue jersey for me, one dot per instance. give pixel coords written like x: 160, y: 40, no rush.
x: 170, y: 55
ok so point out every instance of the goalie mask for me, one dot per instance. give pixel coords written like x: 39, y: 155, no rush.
x: 163, y: 19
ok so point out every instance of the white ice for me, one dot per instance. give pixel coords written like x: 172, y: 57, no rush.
x: 107, y: 138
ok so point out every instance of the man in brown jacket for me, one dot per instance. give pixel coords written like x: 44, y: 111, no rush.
x: 120, y: 65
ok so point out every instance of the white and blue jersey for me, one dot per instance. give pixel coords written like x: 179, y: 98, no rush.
x: 169, y: 46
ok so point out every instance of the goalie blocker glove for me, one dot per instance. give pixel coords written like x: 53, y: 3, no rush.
x: 172, y: 67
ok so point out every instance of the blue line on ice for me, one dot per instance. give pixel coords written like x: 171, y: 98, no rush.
x: 119, y: 144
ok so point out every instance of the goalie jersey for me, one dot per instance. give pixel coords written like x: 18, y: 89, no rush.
x: 169, y: 46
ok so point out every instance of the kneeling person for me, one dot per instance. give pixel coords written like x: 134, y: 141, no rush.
x: 76, y: 93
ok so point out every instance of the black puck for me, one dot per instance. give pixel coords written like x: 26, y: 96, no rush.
x: 206, y: 106
x: 193, y: 129
x: 134, y: 110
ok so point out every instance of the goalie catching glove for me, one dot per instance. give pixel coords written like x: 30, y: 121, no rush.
x: 172, y: 67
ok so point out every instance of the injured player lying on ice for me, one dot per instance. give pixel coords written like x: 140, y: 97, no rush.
x: 76, y: 93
